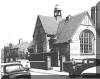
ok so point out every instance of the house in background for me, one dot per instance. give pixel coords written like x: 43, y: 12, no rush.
x: 22, y: 49
x: 10, y: 53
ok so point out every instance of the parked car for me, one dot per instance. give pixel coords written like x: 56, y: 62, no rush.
x: 93, y: 72
x: 14, y: 71
x: 25, y: 63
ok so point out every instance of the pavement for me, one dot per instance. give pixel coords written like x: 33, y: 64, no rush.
x: 35, y: 71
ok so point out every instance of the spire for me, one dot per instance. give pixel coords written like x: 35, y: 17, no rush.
x: 57, y: 12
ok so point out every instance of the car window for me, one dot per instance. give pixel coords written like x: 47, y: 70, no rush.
x: 12, y: 68
x: 19, y: 61
x: 1, y: 69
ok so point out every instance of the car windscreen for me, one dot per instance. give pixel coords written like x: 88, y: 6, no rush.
x: 14, y: 68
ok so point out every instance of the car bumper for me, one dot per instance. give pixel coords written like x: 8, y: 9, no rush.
x: 90, y: 75
x: 20, y: 75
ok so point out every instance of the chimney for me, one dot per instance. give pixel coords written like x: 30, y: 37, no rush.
x: 10, y: 45
x: 20, y: 41
x: 68, y: 17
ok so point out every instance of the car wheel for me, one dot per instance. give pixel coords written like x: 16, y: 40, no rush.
x: 5, y: 77
x: 71, y: 75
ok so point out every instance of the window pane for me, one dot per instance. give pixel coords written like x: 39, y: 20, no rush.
x: 13, y: 68
x: 86, y: 42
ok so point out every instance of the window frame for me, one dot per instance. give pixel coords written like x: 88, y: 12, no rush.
x: 87, y: 40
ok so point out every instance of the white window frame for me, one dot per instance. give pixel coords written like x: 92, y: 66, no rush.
x: 87, y: 42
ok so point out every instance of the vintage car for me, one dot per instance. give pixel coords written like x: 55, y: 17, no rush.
x: 14, y: 71
x: 25, y: 63
x: 93, y: 72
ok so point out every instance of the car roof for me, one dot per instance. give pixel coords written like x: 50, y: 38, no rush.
x: 90, y: 59
x: 11, y: 63
x: 92, y: 70
x: 22, y: 60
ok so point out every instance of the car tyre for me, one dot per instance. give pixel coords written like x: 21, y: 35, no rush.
x: 5, y: 77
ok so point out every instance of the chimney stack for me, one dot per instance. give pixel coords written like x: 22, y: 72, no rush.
x: 20, y: 41
x: 68, y: 17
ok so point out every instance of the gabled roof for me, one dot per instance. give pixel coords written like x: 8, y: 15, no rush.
x: 66, y: 29
x: 98, y: 3
x: 49, y: 24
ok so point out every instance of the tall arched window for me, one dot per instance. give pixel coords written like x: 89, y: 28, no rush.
x: 86, y: 42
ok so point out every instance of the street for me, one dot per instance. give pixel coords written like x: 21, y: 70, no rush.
x: 48, y: 77
x: 47, y: 74
x: 55, y: 77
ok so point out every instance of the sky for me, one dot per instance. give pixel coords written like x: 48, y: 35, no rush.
x: 18, y: 17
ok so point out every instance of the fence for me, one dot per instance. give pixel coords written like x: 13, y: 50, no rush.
x: 38, y: 64
x: 43, y: 57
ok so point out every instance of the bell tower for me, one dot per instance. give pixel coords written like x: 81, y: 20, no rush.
x: 57, y: 12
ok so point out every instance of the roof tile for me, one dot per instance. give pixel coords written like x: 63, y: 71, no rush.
x: 66, y: 29
x: 49, y: 23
